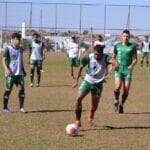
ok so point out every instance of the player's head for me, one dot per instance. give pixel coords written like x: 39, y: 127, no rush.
x: 74, y: 38
x: 146, y: 38
x: 100, y: 38
x: 125, y: 36
x: 98, y: 51
x: 16, y: 38
x: 36, y: 37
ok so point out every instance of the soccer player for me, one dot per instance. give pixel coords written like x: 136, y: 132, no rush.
x: 145, y: 51
x: 93, y: 82
x: 125, y: 58
x: 74, y: 54
x: 14, y: 72
x: 36, y: 56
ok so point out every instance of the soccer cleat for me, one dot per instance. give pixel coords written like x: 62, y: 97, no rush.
x: 31, y: 85
x: 121, y: 111
x: 116, y: 105
x: 22, y: 110
x: 6, y: 110
x: 78, y: 123
x: 37, y: 85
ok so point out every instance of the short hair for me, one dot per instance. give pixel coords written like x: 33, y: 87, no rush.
x: 126, y: 31
x: 146, y: 36
x: 99, y: 48
x: 16, y: 35
x: 36, y: 34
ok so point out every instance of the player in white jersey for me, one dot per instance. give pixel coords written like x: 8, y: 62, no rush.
x: 93, y: 82
x: 36, y: 56
x: 145, y: 51
x: 14, y: 72
x: 73, y: 51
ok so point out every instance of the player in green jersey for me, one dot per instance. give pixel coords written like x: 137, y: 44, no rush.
x: 125, y: 58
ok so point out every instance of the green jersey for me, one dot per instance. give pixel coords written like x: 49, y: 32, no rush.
x: 125, y: 53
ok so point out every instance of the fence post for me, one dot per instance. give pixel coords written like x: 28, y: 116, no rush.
x: 80, y: 18
x: 91, y: 29
x: 105, y: 13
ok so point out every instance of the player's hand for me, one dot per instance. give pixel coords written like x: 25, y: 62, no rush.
x: 130, y: 68
x: 74, y: 85
x: 116, y: 66
x: 7, y: 72
x: 24, y: 73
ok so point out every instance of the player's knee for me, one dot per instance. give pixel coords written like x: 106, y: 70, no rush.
x: 6, y: 94
x: 21, y: 93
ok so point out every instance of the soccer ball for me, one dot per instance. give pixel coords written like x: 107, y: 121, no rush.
x: 72, y: 129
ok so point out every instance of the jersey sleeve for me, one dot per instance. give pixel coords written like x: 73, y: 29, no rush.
x: 6, y: 53
x: 30, y: 47
x: 85, y: 60
x: 115, y: 49
x: 134, y: 49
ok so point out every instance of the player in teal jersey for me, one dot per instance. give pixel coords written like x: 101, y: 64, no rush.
x: 125, y: 58
x: 14, y: 72
x: 93, y: 82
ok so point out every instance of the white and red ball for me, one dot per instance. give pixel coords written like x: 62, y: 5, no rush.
x: 72, y: 129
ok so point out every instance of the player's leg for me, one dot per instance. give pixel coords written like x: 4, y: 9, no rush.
x: 95, y: 101
x: 118, y: 84
x: 21, y: 94
x: 39, y: 68
x: 126, y: 87
x: 96, y: 91
x: 32, y: 73
x: 147, y: 59
x: 83, y: 91
x: 7, y: 92
x: 142, y: 59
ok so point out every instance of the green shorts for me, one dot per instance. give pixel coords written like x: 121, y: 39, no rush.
x: 36, y: 63
x: 124, y: 73
x: 74, y: 62
x: 11, y: 80
x: 95, y: 89
x: 145, y: 54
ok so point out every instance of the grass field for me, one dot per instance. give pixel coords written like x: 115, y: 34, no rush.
x: 51, y: 107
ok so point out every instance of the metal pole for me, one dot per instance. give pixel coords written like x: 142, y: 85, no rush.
x: 41, y: 19
x: 5, y: 15
x: 80, y: 18
x: 91, y: 39
x: 56, y: 18
x: 30, y: 21
x: 105, y: 13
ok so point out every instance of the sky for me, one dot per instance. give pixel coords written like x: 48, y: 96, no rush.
x: 69, y: 16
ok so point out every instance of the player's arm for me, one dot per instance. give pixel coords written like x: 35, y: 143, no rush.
x: 43, y: 51
x: 109, y: 64
x: 30, y: 51
x: 23, y: 69
x: 84, y: 62
x: 115, y: 61
x: 5, y: 60
x: 134, y: 59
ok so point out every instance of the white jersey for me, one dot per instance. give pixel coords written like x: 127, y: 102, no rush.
x: 97, y: 70
x: 73, y: 49
x: 36, y: 51
x: 14, y: 58
x: 145, y: 46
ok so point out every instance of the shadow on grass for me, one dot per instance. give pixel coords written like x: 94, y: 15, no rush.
x: 56, y: 85
x: 45, y: 111
x: 137, y: 113
x: 117, y: 128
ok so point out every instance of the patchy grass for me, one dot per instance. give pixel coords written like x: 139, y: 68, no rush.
x: 51, y: 108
